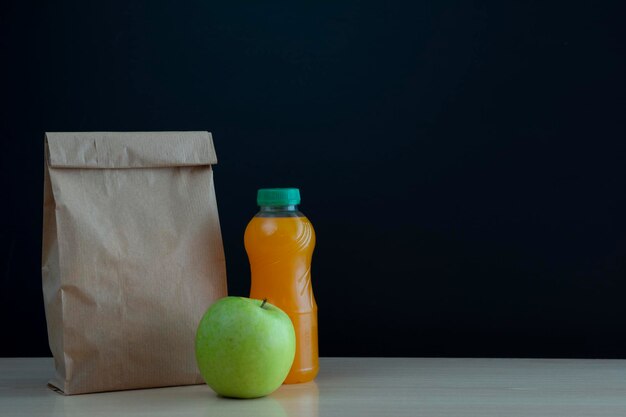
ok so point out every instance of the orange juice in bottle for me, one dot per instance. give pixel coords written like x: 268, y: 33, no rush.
x: 280, y: 241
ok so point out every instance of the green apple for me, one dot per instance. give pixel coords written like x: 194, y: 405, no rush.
x: 245, y: 347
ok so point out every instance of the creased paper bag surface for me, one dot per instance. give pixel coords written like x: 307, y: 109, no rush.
x: 132, y: 256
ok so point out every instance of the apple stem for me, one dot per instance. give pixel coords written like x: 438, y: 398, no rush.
x: 263, y: 303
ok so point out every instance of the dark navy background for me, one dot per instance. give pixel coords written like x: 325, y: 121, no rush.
x: 463, y: 163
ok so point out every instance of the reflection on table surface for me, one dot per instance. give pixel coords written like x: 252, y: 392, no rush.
x: 23, y: 391
x: 298, y: 400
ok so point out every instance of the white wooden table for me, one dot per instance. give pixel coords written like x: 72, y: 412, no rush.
x: 354, y: 387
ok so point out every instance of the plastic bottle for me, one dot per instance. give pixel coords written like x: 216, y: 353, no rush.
x: 279, y: 241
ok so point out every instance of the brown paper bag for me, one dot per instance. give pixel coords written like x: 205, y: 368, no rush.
x: 132, y: 257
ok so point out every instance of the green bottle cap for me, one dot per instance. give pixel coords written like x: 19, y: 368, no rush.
x: 274, y: 197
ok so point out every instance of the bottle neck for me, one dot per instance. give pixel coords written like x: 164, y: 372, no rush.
x: 274, y: 209
x: 279, y: 211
